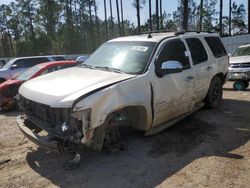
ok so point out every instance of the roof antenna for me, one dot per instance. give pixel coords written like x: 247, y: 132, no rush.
x: 149, y: 34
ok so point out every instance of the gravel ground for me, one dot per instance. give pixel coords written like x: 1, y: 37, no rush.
x: 210, y: 148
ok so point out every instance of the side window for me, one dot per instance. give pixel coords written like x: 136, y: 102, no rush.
x: 216, y: 46
x: 198, y: 52
x: 35, y: 61
x: 174, y: 50
x: 59, y: 58
x: 20, y: 63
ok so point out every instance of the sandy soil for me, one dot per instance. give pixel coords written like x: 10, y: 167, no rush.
x: 211, y: 148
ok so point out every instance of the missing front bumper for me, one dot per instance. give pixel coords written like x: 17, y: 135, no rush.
x: 42, y: 141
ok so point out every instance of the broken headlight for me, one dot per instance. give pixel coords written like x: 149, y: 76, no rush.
x: 83, y: 116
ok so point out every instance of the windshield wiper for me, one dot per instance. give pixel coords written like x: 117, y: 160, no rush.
x: 111, y: 69
x: 86, y: 66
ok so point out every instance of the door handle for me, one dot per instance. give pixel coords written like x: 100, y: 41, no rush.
x: 209, y: 68
x: 189, y: 78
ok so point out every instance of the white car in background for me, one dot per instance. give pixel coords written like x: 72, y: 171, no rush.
x: 239, y: 67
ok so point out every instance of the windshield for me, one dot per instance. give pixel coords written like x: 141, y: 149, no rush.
x: 243, y: 51
x: 126, y: 57
x: 29, y: 73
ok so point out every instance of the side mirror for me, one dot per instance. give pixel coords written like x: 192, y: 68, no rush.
x: 14, y: 66
x: 171, y: 67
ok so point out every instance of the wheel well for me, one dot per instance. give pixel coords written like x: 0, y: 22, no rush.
x: 135, y: 116
x: 221, y: 76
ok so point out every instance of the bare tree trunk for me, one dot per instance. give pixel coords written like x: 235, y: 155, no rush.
x: 123, y: 31
x: 118, y: 17
x: 91, y: 28
x: 138, y: 16
x: 185, y: 15
x: 157, y: 14
x: 106, y: 23
x: 230, y: 17
x: 111, y: 15
x: 249, y: 16
x: 11, y: 44
x: 220, y: 19
x: 96, y: 18
x: 201, y: 14
x: 161, y: 17
x: 150, y: 16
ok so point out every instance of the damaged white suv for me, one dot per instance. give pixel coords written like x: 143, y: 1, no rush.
x: 148, y: 82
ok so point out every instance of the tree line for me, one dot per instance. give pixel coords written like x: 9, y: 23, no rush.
x: 37, y: 27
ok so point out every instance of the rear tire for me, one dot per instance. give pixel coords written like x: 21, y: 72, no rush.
x: 240, y: 85
x: 214, y: 95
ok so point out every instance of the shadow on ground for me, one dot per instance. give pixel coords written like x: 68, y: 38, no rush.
x: 148, y: 161
x: 13, y: 113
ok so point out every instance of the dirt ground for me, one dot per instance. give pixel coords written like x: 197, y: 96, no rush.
x: 211, y: 148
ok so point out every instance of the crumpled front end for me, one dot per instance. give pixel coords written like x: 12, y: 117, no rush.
x: 46, y: 126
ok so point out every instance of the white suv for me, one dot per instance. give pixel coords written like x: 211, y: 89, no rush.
x: 148, y: 82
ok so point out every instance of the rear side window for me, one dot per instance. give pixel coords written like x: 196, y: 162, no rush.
x: 59, y: 58
x: 30, y: 62
x: 35, y: 61
x: 174, y: 50
x: 216, y: 46
x: 197, y: 50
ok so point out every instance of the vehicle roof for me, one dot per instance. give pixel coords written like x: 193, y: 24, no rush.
x: 52, y: 63
x: 28, y: 57
x: 157, y: 37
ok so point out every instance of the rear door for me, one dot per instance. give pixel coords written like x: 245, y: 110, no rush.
x: 201, y: 65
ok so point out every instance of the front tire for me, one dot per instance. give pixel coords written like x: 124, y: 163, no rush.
x: 214, y: 95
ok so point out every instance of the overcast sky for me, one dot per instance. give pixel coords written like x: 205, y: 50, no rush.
x: 130, y: 13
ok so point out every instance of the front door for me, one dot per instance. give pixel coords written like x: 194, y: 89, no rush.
x: 173, y: 93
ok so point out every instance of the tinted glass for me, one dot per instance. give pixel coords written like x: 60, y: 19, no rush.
x: 59, y: 58
x: 174, y: 50
x: 197, y: 50
x: 30, y: 62
x: 216, y: 46
x: 34, y: 61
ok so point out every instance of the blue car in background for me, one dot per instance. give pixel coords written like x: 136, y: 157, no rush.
x: 17, y: 66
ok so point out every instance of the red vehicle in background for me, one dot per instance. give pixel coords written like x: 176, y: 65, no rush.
x: 9, y: 88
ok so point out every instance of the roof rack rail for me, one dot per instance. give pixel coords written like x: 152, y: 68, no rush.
x: 195, y: 31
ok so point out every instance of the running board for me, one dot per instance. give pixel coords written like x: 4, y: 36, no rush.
x: 163, y: 126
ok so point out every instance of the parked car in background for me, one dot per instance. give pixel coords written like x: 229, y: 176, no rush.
x: 147, y: 82
x: 17, y: 66
x: 9, y: 88
x: 81, y: 59
x: 239, y: 67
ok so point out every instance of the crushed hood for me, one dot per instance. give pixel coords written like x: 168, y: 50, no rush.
x: 61, y: 88
x: 240, y: 59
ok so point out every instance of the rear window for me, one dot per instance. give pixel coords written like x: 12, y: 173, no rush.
x: 216, y: 46
x: 197, y: 50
